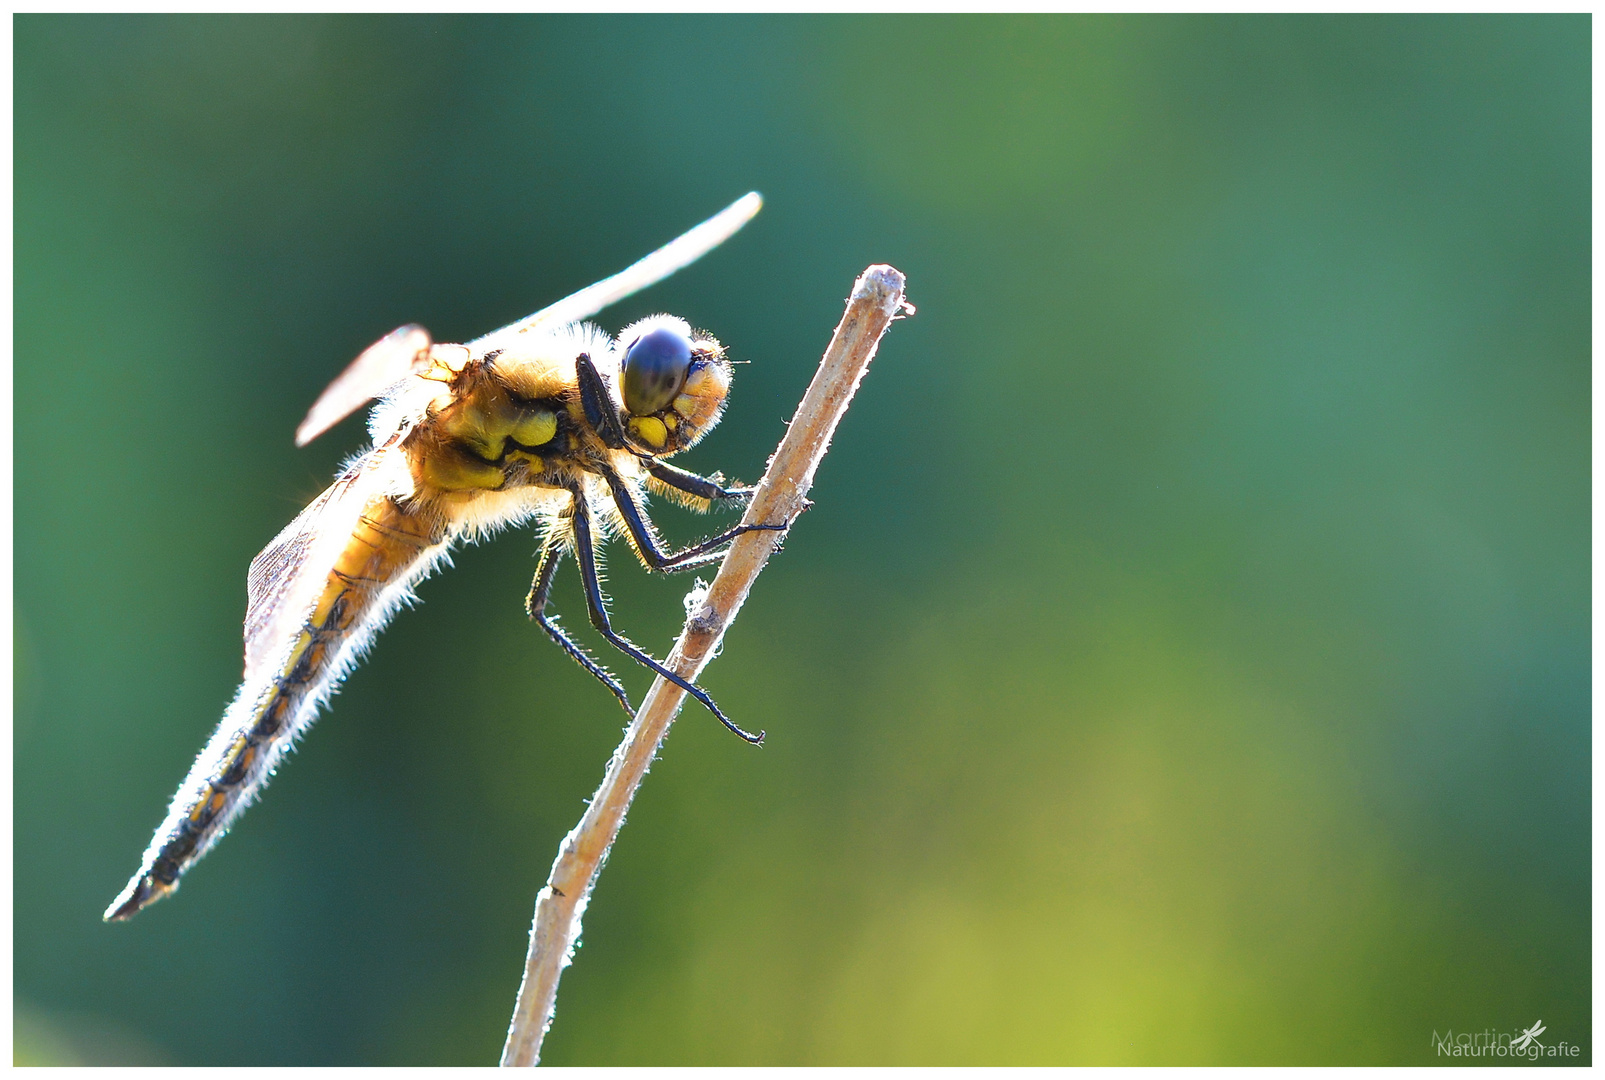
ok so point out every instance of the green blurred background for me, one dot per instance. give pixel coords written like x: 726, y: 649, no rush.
x: 1187, y: 660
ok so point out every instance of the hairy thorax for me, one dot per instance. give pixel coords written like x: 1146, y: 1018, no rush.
x: 500, y: 434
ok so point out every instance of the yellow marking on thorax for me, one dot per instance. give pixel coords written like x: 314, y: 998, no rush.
x: 449, y: 467
x: 483, y: 421
x: 535, y: 429
x: 472, y: 434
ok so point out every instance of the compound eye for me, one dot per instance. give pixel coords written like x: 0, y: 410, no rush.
x: 654, y: 370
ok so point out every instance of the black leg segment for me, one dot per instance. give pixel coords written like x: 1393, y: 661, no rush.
x: 535, y: 604
x: 647, y: 543
x: 598, y: 403
x: 691, y: 483
x: 585, y: 554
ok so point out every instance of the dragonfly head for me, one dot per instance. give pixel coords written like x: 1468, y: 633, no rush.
x: 674, y: 381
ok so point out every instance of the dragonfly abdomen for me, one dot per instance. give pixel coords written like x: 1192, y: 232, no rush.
x: 389, y: 550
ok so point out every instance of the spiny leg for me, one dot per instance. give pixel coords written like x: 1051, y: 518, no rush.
x: 535, y: 604
x: 585, y: 555
x: 691, y: 483
x: 703, y: 487
x: 646, y: 538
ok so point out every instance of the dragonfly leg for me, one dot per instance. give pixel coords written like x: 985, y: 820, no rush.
x: 598, y: 403
x: 535, y: 604
x: 691, y: 483
x: 585, y: 554
x: 648, y: 544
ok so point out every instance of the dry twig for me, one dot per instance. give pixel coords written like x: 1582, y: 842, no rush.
x: 877, y: 299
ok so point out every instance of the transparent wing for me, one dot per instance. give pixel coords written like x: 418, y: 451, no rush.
x: 285, y: 580
x: 675, y: 255
x: 402, y: 352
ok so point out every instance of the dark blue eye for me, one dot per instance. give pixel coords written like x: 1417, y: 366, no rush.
x: 654, y: 370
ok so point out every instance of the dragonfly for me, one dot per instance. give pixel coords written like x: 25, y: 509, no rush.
x: 548, y: 420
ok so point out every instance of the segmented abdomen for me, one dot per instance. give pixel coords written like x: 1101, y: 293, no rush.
x: 389, y: 550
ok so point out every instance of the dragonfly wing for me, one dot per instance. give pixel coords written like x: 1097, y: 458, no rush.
x: 677, y: 254
x: 319, y: 593
x: 402, y: 352
x: 285, y: 580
